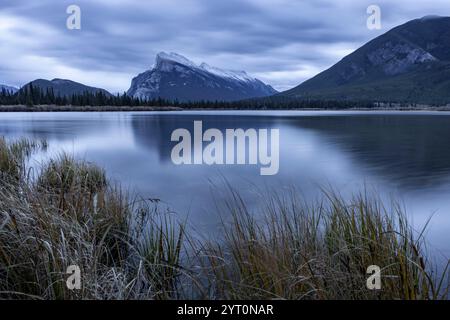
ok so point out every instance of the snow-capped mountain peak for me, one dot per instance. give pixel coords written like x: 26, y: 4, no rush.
x: 175, y: 77
x: 174, y: 57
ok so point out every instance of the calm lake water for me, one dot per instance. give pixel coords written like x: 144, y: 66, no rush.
x: 404, y: 155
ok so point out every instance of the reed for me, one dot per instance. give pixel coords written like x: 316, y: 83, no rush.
x: 299, y: 251
x: 71, y: 214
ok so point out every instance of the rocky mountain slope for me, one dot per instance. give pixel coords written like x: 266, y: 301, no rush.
x: 410, y: 63
x: 174, y: 77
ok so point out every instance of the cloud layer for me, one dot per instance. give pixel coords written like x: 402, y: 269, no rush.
x: 282, y: 42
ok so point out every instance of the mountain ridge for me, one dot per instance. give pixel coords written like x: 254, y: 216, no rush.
x: 64, y: 87
x: 410, y: 62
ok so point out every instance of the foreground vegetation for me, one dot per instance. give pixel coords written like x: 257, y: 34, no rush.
x: 68, y: 213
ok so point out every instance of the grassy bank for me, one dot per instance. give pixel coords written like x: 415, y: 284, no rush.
x: 69, y: 213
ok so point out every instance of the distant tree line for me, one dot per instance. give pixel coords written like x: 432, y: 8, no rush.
x: 278, y: 102
x: 32, y: 95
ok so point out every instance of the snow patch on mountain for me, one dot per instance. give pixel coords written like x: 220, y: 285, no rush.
x: 237, y: 75
x: 174, y: 57
x: 168, y: 62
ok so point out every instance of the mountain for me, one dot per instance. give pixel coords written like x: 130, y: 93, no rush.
x: 174, y: 77
x: 410, y: 63
x: 65, y: 88
x: 8, y: 88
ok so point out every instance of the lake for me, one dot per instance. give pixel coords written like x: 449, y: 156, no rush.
x: 405, y: 155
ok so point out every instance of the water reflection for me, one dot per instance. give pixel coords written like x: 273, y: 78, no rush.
x: 406, y: 155
x: 412, y: 151
x: 155, y: 132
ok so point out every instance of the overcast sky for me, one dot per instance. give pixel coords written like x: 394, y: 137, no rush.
x: 282, y: 42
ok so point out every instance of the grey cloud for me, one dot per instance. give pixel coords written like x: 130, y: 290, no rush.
x: 284, y: 41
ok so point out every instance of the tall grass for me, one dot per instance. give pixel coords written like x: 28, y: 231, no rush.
x: 299, y: 251
x: 69, y: 213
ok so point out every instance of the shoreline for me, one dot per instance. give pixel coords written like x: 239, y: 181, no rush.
x: 49, y: 108
x: 53, y: 108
